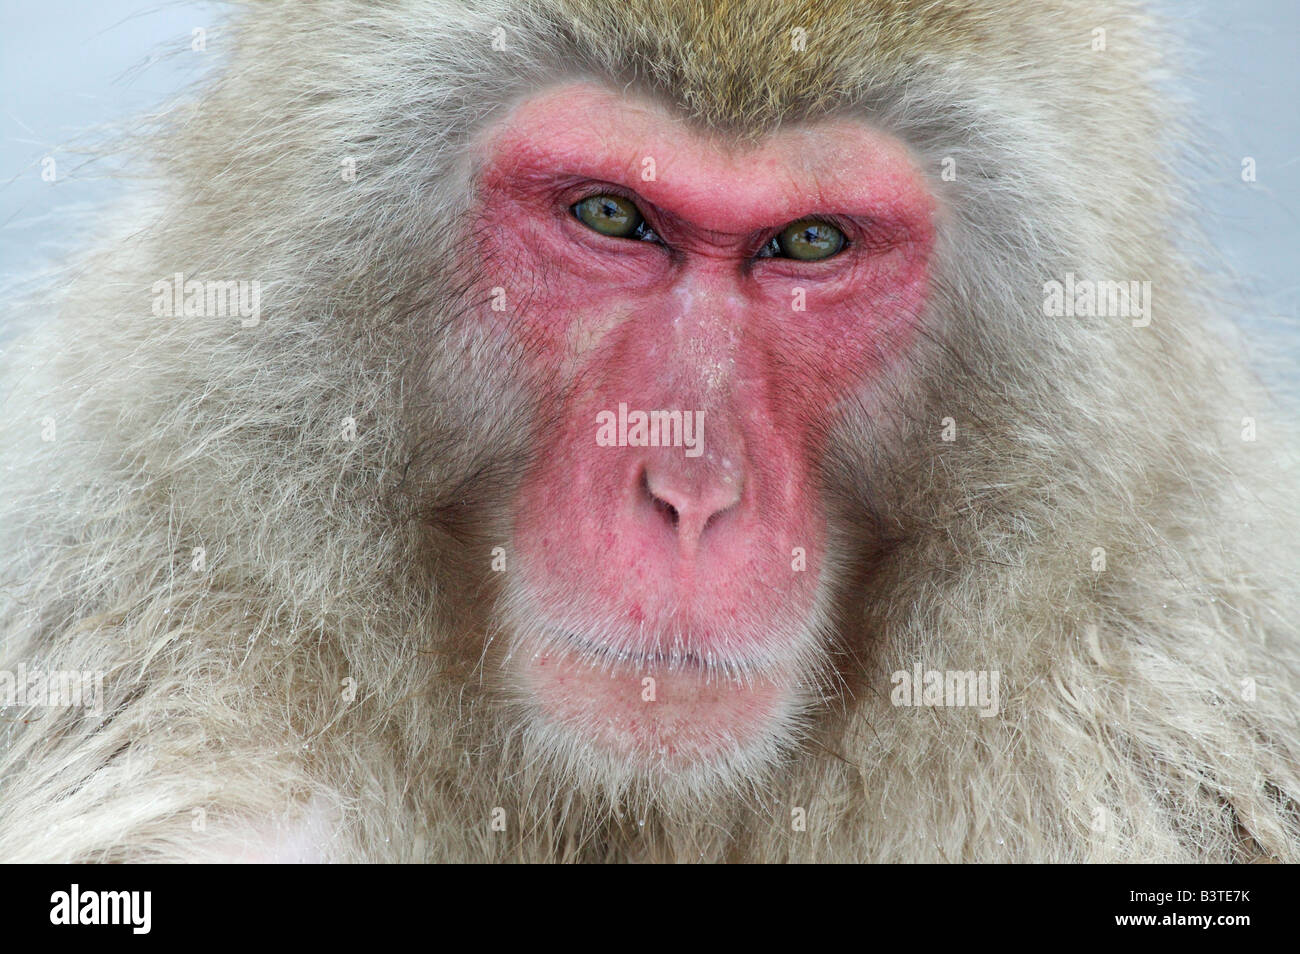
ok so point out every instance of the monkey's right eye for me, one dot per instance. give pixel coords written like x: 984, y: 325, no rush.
x: 612, y: 215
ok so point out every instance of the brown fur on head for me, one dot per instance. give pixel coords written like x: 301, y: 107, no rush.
x: 330, y: 558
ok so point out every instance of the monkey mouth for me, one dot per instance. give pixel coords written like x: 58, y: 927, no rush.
x: 670, y: 660
x: 656, y: 710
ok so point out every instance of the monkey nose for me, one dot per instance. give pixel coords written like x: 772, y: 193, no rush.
x: 691, y: 502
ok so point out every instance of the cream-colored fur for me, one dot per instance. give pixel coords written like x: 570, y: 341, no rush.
x: 1148, y: 710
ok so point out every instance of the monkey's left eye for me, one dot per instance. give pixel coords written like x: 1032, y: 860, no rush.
x: 612, y: 215
x: 808, y: 240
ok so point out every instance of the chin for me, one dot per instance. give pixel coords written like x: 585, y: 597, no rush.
x: 675, y: 713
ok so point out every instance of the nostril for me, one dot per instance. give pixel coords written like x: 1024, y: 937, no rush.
x: 668, y: 509
x: 661, y: 505
x: 689, y: 504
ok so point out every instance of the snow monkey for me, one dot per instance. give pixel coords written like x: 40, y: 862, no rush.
x: 650, y: 430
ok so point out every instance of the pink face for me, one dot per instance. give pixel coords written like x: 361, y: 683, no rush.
x: 666, y: 599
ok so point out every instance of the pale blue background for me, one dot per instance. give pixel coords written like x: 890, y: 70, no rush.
x: 66, y: 65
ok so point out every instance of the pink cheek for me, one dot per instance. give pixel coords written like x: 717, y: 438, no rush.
x: 866, y: 332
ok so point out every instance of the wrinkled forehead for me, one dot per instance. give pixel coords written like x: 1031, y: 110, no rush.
x: 586, y: 130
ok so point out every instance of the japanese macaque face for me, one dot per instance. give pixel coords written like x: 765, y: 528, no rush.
x: 702, y: 308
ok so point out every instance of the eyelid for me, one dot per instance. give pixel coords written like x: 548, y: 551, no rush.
x: 839, y: 223
x: 591, y: 190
